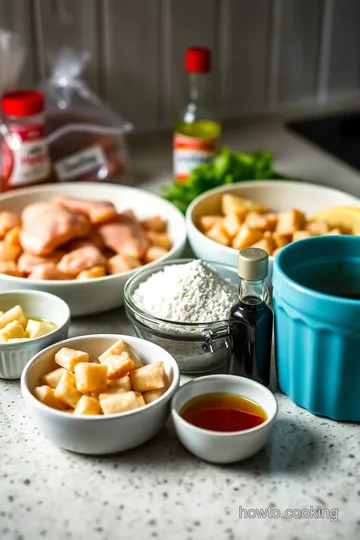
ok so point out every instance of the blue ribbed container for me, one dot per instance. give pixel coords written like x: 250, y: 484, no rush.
x: 317, y: 335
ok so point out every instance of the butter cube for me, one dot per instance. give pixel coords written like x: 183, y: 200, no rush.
x: 46, y: 395
x: 150, y: 377
x: 52, y: 379
x: 66, y: 390
x: 118, y: 365
x: 88, y: 406
x: 113, y: 402
x: 118, y: 348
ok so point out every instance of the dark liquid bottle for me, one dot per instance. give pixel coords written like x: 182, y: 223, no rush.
x: 251, y: 320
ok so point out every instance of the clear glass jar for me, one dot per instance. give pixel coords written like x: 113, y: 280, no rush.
x: 197, y: 347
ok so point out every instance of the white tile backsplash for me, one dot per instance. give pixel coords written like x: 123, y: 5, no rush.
x: 268, y: 54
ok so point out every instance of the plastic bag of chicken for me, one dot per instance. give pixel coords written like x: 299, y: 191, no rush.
x: 86, y: 138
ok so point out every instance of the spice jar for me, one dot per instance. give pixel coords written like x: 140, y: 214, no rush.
x: 24, y: 151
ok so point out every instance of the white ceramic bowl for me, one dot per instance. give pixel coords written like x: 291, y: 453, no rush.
x: 278, y: 195
x: 100, y: 294
x: 14, y: 356
x: 99, y: 434
x: 221, y: 447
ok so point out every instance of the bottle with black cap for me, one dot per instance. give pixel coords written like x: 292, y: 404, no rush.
x: 251, y: 320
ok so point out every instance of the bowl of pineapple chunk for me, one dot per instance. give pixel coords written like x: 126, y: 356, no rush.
x: 30, y: 321
x: 100, y: 394
x: 268, y: 214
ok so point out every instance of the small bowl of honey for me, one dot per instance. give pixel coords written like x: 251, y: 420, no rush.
x: 223, y: 418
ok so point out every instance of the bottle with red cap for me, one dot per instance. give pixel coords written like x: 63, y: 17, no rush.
x: 24, y: 152
x: 197, y: 132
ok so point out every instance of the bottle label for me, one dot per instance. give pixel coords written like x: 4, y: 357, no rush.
x: 189, y: 152
x: 81, y: 163
x: 25, y: 157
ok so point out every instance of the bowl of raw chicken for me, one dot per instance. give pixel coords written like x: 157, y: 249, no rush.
x: 82, y: 241
x: 268, y: 214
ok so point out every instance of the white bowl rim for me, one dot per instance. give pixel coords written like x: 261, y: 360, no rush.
x: 49, y: 296
x: 95, y: 418
x: 83, y: 283
x: 253, y: 183
x: 224, y: 377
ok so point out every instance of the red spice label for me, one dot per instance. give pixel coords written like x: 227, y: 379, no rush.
x: 25, y: 157
x: 189, y: 152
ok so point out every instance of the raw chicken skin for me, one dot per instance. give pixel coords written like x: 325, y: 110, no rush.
x: 47, y: 226
x: 27, y: 261
x: 47, y: 271
x: 81, y: 259
x: 93, y: 238
x: 97, y: 211
x: 125, y: 236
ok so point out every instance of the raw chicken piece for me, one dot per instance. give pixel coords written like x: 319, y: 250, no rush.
x: 81, y: 259
x: 46, y: 226
x: 8, y: 220
x: 93, y: 238
x: 27, y: 261
x: 125, y: 236
x: 47, y: 271
x: 97, y: 211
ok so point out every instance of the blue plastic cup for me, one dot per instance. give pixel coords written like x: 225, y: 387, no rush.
x: 317, y: 329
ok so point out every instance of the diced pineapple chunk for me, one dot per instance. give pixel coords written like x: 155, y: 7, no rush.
x: 291, y: 221
x: 281, y: 240
x: 36, y: 329
x: 12, y: 330
x: 149, y: 377
x: 66, y: 390
x: 257, y: 221
x: 300, y: 235
x: 88, y: 406
x: 317, y: 228
x: 118, y: 365
x: 231, y: 203
x: 13, y: 314
x: 232, y: 223
x: 68, y: 358
x: 118, y: 348
x: 91, y: 377
x: 219, y: 234
x: 206, y: 222
x: 246, y: 237
x: 52, y: 379
x: 46, y: 395
x: 122, y: 382
x: 266, y: 244
x: 113, y: 402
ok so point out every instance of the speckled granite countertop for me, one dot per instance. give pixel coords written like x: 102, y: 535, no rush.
x: 160, y: 491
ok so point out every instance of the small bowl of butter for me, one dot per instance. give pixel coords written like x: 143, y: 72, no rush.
x: 30, y: 321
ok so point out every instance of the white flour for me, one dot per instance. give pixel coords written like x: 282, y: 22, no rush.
x: 190, y: 293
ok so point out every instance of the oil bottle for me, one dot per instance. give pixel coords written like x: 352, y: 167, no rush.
x: 251, y: 320
x: 197, y: 132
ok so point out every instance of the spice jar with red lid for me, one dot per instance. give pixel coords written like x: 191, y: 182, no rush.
x: 24, y: 151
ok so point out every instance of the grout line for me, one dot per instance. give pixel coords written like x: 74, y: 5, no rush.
x: 223, y: 39
x: 325, y: 51
x: 274, y: 53
x: 102, y: 48
x: 37, y: 40
x: 164, y: 62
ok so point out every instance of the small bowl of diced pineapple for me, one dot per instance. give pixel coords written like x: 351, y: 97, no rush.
x: 100, y: 394
x: 30, y: 321
x: 267, y: 214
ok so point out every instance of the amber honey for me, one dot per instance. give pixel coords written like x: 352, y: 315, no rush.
x: 223, y: 412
